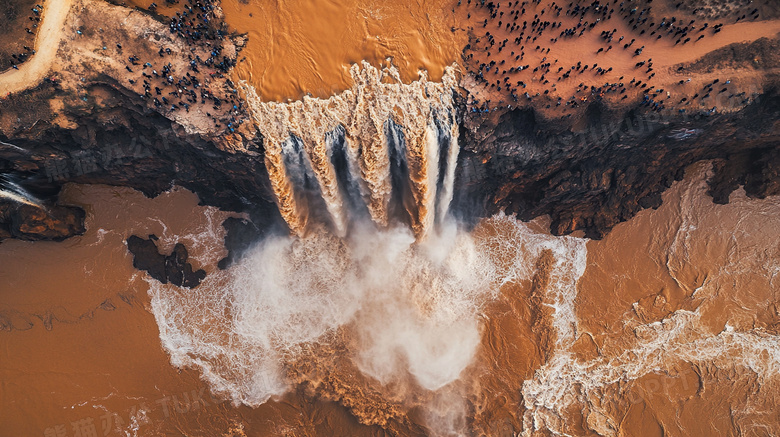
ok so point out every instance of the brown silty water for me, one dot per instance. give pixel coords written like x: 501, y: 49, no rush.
x: 671, y: 318
x: 308, y: 47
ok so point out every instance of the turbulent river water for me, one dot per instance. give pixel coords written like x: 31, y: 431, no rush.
x: 495, y: 330
x: 307, y: 47
x: 379, y: 313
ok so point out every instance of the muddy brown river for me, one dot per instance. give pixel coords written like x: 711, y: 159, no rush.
x: 671, y: 318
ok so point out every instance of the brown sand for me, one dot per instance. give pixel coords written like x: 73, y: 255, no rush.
x: 47, y: 41
x: 16, y: 16
x: 163, y: 7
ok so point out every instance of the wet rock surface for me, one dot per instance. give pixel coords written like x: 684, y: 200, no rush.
x: 592, y: 179
x: 587, y: 180
x: 172, y: 268
x: 757, y: 170
x: 241, y: 234
x: 27, y: 222
x: 588, y: 173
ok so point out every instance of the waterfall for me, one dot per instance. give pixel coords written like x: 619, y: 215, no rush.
x: 14, y: 146
x: 382, y: 149
x: 16, y: 193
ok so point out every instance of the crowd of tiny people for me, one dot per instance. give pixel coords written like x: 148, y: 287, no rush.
x: 169, y: 90
x: 542, y: 30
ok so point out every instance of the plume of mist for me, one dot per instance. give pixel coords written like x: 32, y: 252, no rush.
x: 413, y: 309
x: 410, y: 309
x: 364, y: 180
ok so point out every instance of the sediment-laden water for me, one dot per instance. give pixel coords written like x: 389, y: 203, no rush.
x: 496, y: 330
x: 378, y: 312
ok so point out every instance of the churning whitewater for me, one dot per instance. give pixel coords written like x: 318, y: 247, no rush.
x: 378, y: 300
x: 400, y: 318
x: 385, y: 293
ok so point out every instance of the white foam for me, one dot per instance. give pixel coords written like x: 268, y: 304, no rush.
x: 378, y: 101
x: 413, y: 309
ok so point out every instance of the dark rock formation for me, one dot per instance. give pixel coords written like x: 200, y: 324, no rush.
x: 172, y: 268
x: 122, y: 142
x: 593, y: 177
x: 604, y: 164
x: 146, y: 257
x: 587, y: 180
x: 757, y: 170
x: 179, y: 271
x: 593, y: 181
x: 85, y: 124
x: 27, y: 222
x: 241, y: 234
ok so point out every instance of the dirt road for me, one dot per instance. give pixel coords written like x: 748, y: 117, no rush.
x: 32, y: 72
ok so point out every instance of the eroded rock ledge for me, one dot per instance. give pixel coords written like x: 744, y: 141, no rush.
x: 99, y: 117
x: 27, y: 222
x: 592, y: 173
x: 588, y: 172
x: 529, y: 167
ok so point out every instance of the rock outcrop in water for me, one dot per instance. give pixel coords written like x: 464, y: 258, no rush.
x: 240, y: 237
x: 172, y: 268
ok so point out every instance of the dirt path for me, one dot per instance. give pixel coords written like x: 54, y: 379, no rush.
x: 32, y: 72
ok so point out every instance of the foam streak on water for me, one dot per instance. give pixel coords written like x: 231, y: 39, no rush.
x: 684, y: 336
x: 661, y: 346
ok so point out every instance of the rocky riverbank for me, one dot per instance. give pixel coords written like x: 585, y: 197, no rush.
x: 122, y: 108
x: 93, y: 121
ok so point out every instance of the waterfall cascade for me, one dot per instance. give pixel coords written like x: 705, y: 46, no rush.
x: 382, y: 149
x: 372, y: 268
x: 375, y: 300
x: 14, y: 192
